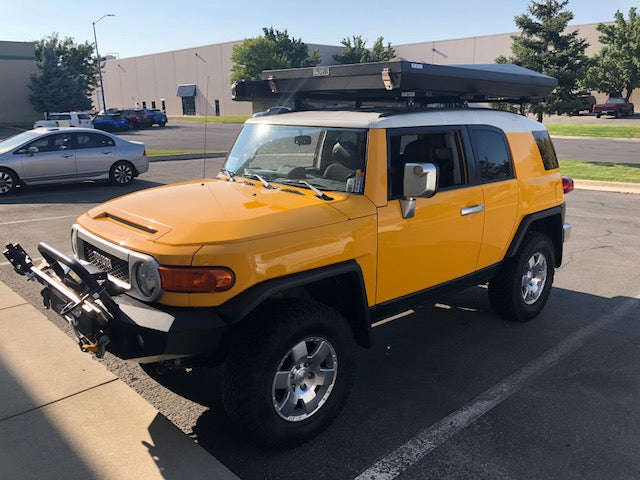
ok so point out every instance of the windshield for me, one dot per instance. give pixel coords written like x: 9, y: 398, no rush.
x: 327, y: 158
x: 17, y: 140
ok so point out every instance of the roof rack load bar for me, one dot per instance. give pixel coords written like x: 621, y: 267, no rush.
x: 399, y: 81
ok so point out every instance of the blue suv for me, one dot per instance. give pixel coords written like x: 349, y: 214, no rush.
x: 158, y: 116
x: 110, y: 122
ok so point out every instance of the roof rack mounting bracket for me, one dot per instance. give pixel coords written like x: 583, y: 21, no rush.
x: 387, y: 79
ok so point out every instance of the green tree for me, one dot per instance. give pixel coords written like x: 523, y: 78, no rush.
x: 273, y: 50
x: 544, y: 47
x: 616, y: 68
x: 78, y: 59
x: 55, y: 88
x: 357, y: 52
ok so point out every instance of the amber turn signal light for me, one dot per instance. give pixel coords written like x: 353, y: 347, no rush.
x: 196, y: 280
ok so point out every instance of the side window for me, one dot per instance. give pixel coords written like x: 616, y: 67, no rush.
x: 547, y: 152
x: 51, y: 143
x: 441, y: 148
x: 494, y: 160
x: 94, y: 140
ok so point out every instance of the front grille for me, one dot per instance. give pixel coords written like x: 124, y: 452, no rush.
x: 114, y: 266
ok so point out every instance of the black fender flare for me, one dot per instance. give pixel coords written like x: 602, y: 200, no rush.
x: 556, y: 234
x: 356, y: 310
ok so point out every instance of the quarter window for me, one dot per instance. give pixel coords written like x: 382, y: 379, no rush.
x: 547, y: 152
x: 494, y: 160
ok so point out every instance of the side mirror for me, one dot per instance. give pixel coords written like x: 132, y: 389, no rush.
x: 31, y: 151
x: 420, y: 180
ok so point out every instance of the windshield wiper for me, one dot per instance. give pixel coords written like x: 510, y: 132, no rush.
x: 264, y: 183
x: 229, y: 174
x: 315, y: 190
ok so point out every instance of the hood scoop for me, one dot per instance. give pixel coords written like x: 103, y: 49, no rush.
x: 144, y: 228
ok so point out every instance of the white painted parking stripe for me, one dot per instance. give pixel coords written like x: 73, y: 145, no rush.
x: 44, y: 219
x: 391, y: 319
x: 428, y: 440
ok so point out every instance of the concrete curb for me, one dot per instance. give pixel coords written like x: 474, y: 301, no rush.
x: 64, y: 415
x: 619, y: 187
x: 608, y: 139
x: 185, y: 156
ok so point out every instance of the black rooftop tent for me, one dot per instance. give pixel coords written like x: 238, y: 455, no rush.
x: 399, y: 80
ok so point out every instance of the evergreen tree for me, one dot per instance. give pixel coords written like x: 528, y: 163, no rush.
x: 55, y: 88
x: 359, y: 53
x: 78, y: 59
x: 544, y: 47
x: 272, y: 51
x: 616, y: 68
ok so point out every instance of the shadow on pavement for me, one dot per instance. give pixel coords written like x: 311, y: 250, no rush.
x: 420, y: 369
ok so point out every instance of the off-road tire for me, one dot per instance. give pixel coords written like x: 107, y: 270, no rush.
x: 510, y: 292
x: 257, y: 353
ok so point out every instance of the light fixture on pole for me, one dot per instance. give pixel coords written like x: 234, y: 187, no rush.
x: 104, y: 106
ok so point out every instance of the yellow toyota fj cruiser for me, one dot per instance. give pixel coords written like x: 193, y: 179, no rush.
x: 321, y: 223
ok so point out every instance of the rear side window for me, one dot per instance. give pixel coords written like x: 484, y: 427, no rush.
x: 494, y: 159
x: 547, y: 152
x: 94, y: 140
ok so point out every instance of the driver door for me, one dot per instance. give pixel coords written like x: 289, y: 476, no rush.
x: 54, y: 160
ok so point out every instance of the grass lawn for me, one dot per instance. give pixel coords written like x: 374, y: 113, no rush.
x: 610, y: 131
x: 601, y: 171
x: 227, y: 119
x: 155, y: 153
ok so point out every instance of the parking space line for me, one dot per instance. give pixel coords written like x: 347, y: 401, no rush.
x: 391, y: 319
x: 38, y: 219
x: 428, y: 440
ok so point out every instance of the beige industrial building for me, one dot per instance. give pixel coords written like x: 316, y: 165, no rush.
x: 17, y: 64
x: 196, y: 81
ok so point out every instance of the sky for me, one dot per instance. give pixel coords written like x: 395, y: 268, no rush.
x: 141, y: 27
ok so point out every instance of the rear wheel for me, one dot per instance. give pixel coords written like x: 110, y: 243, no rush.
x: 122, y: 173
x: 522, y: 286
x: 289, y: 372
x: 8, y: 181
x: 131, y: 125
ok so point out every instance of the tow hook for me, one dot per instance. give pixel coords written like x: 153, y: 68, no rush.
x: 97, y: 348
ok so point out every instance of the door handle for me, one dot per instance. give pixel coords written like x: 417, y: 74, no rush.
x: 67, y: 155
x: 106, y: 153
x: 471, y: 210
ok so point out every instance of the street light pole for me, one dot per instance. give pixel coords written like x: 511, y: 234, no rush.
x: 104, y: 105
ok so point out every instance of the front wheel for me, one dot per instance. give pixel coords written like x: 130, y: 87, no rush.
x: 289, y: 372
x: 162, y: 124
x: 122, y: 173
x: 521, y: 288
x: 8, y: 181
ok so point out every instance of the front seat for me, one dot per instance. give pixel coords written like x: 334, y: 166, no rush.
x: 345, y: 161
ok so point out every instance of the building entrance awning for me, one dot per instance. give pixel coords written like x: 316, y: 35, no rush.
x: 186, y: 91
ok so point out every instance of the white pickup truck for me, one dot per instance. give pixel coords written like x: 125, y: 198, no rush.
x: 65, y: 119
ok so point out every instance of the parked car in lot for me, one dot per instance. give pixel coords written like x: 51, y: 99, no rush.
x: 278, y: 109
x: 586, y: 102
x: 110, y: 122
x: 136, y: 117
x: 65, y: 119
x: 63, y: 155
x: 157, y: 116
x: 615, y: 106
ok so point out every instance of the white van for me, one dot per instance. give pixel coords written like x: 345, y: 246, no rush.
x: 65, y: 119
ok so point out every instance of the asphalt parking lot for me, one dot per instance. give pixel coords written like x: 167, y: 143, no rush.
x: 449, y: 391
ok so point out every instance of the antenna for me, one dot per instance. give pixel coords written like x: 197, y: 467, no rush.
x: 206, y: 106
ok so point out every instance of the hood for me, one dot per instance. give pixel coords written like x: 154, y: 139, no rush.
x: 215, y: 211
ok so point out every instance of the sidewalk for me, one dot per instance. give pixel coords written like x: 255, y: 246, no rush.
x: 619, y: 187
x: 63, y: 415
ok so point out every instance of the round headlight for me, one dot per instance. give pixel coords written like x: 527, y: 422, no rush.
x: 147, y: 280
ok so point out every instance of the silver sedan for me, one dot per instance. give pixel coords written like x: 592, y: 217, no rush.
x: 61, y: 155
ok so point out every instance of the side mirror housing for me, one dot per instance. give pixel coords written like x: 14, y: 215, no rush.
x: 32, y: 150
x: 419, y: 180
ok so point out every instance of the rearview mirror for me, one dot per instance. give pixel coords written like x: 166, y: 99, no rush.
x: 420, y: 180
x: 303, y: 140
